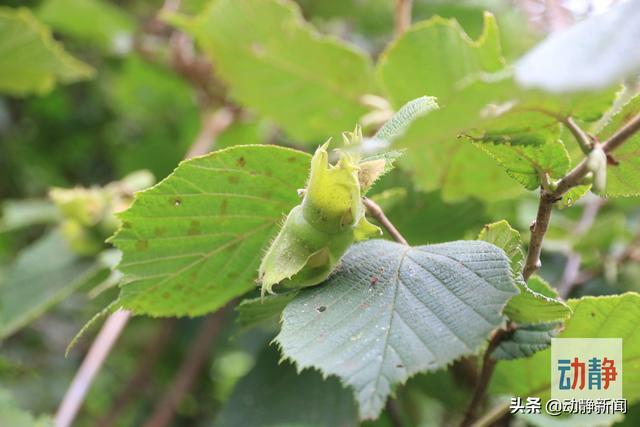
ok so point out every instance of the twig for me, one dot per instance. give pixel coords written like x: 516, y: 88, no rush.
x: 139, y: 380
x: 538, y: 230
x: 402, y: 16
x: 488, y: 365
x: 98, y: 352
x: 213, y: 124
x: 394, y: 413
x: 572, y: 179
x: 376, y: 211
x: 580, y: 135
x: 191, y: 366
x: 492, y: 415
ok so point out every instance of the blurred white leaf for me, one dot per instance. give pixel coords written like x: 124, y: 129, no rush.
x: 593, y: 54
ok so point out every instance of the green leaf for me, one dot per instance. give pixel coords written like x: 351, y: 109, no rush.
x: 530, y: 306
x: 536, y: 301
x: 614, y: 316
x: 527, y: 163
x: 400, y: 121
x: 253, y: 311
x: 623, y: 179
x: 282, y: 67
x: 592, y: 54
x: 44, y: 274
x: 32, y: 61
x: 406, y: 68
x: 274, y: 394
x: 573, y: 195
x: 12, y: 415
x: 439, y: 159
x: 391, y: 311
x: 525, y: 341
x: 96, y: 21
x: 194, y: 241
x: 503, y: 236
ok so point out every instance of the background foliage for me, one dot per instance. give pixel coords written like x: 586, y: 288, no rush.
x: 99, y: 100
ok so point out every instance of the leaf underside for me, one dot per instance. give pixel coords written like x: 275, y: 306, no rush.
x: 391, y: 311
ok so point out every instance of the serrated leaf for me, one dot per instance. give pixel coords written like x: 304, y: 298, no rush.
x: 623, y: 179
x: 527, y: 163
x: 504, y: 236
x: 572, y: 196
x: 44, y: 274
x: 253, y: 311
x: 274, y: 394
x: 391, y: 311
x: 438, y: 160
x: 536, y: 301
x: 274, y: 62
x: 614, y: 316
x: 441, y: 160
x: 400, y: 121
x: 530, y: 306
x: 525, y: 341
x: 32, y: 61
x: 194, y: 241
x: 406, y: 68
x: 592, y: 54
x: 77, y: 18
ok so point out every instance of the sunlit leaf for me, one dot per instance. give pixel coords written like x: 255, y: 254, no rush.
x: 277, y: 64
x: 194, y: 241
x: 32, y: 61
x: 623, y: 179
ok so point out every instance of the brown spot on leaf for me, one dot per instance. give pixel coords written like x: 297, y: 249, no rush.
x: 159, y: 231
x: 142, y: 245
x: 292, y: 159
x: 321, y: 309
x: 233, y: 179
x: 126, y: 224
x: 176, y: 201
x: 166, y: 295
x: 373, y: 281
x: 194, y: 228
x: 223, y: 206
x: 241, y: 162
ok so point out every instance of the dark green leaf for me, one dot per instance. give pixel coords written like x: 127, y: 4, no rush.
x: 273, y: 394
x: 391, y: 311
